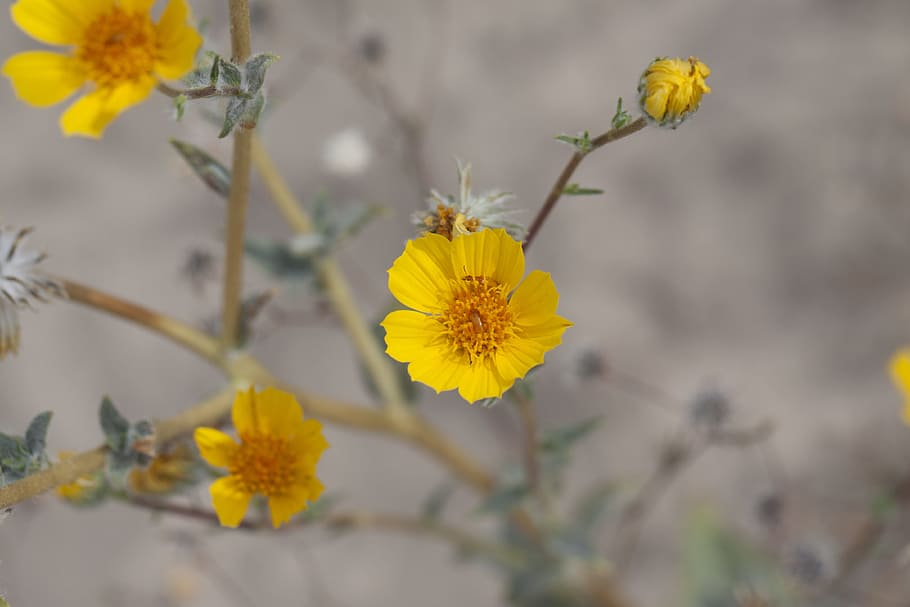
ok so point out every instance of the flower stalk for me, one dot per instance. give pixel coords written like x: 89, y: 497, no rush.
x: 333, y: 280
x: 562, y: 181
x: 239, y: 195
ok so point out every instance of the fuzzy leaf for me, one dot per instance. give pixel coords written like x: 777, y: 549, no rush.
x: 564, y: 438
x: 251, y: 110
x: 255, y: 69
x: 114, y: 425
x: 621, y: 118
x: 581, y: 143
x: 436, y: 502
x: 210, y: 171
x: 230, y: 76
x: 510, y: 491
x: 573, y: 189
x: 36, y: 435
x: 180, y: 106
x: 216, y: 71
x: 232, y: 114
x: 278, y: 260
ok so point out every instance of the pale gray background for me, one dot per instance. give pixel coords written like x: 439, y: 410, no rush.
x: 761, y: 248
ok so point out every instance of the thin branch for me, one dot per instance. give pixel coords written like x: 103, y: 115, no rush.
x: 676, y: 457
x: 203, y: 92
x: 530, y: 449
x: 562, y: 181
x: 375, y: 360
x: 371, y: 521
x: 178, y: 332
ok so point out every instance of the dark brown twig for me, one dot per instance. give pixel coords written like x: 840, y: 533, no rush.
x: 562, y: 181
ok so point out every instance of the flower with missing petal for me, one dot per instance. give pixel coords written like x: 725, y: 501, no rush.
x: 276, y: 457
x: 21, y: 284
x: 469, y: 213
x: 670, y: 90
x: 473, y: 326
x: 114, y: 46
x: 900, y: 375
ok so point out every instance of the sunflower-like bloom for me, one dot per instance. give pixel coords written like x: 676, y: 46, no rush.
x: 670, y: 90
x: 900, y: 374
x: 21, y: 284
x: 276, y: 457
x: 472, y: 325
x: 114, y: 46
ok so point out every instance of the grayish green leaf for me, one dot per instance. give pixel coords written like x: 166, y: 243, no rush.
x: 114, y: 425
x: 255, y: 69
x: 581, y: 143
x: 235, y: 109
x: 213, y: 173
x: 573, y: 189
x: 229, y: 75
x: 621, y: 118
x: 180, y: 106
x: 36, y: 434
x: 436, y: 501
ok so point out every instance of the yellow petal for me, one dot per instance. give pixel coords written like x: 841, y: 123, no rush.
x: 284, y: 507
x: 91, y: 114
x: 899, y: 368
x: 481, y: 380
x: 229, y: 500
x: 245, y: 412
x: 439, y: 368
x: 535, y: 299
x: 136, y: 6
x: 420, y: 277
x: 177, y: 41
x: 491, y: 254
x: 309, y: 444
x: 547, y: 334
x: 279, y: 413
x: 518, y: 356
x: 57, y: 21
x: 43, y: 78
x: 408, y: 334
x: 215, y: 447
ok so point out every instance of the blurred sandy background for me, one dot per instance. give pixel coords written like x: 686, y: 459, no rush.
x: 762, y: 248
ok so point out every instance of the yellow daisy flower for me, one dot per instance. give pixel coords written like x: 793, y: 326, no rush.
x: 472, y: 326
x: 276, y: 457
x: 900, y: 374
x: 670, y: 90
x: 114, y: 46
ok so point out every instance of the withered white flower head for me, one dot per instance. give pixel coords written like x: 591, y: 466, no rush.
x: 21, y: 284
x: 469, y: 213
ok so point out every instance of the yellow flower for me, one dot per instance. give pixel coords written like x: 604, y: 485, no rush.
x: 114, y: 46
x: 166, y: 473
x: 671, y: 89
x: 473, y: 326
x: 276, y: 457
x: 900, y: 374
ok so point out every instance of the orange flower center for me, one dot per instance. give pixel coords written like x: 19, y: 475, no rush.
x: 118, y: 47
x: 448, y: 222
x: 264, y: 464
x: 478, y: 320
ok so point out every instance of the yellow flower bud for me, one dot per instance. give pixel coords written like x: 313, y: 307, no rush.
x: 670, y: 89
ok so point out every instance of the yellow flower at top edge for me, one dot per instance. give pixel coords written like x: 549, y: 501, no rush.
x: 900, y: 374
x: 276, y: 457
x: 670, y: 90
x: 472, y: 326
x: 114, y: 47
